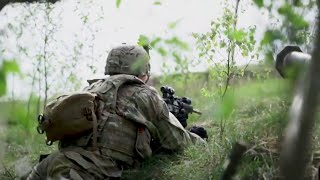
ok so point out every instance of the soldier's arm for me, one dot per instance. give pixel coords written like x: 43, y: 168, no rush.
x: 174, y: 123
x: 172, y: 135
x: 194, y: 137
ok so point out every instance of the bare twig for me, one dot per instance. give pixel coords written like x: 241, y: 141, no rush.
x: 12, y: 94
x: 31, y: 95
x: 245, y: 68
x: 231, y: 48
x: 39, y: 86
x: 7, y: 171
x: 45, y: 56
x: 230, y: 60
x: 228, y: 74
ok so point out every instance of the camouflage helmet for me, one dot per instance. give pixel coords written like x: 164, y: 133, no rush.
x: 128, y: 59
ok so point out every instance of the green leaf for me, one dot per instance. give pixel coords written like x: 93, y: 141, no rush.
x: 244, y: 53
x: 227, y: 106
x: 162, y: 51
x: 85, y: 19
x: 259, y: 3
x: 157, y: 3
x: 137, y: 65
x: 297, y: 3
x: 195, y: 35
x: 155, y: 41
x: 143, y: 40
x: 7, y: 67
x: 270, y: 36
x: 238, y: 35
x: 3, y: 83
x: 177, y: 58
x: 118, y: 2
x: 173, y: 25
x: 223, y: 44
x: 293, y: 17
x: 269, y: 59
x: 10, y: 66
x: 176, y: 41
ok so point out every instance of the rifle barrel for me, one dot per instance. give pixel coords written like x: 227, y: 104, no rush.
x: 197, y: 111
x: 193, y: 110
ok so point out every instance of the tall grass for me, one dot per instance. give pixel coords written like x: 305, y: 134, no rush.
x: 253, y: 111
x: 20, y: 142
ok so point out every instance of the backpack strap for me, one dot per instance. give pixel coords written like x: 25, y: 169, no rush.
x: 94, y: 131
x: 111, y: 85
x: 118, y: 81
x: 107, y: 94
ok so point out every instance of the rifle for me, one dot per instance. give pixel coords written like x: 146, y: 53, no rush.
x: 180, y: 107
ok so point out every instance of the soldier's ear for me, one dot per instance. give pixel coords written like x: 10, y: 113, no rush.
x: 144, y: 78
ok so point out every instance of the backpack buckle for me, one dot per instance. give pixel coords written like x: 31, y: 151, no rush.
x: 40, y: 118
x: 87, y: 113
x: 40, y: 131
x: 49, y: 143
x: 40, y: 121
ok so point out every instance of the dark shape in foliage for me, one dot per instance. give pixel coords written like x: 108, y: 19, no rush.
x: 234, y: 160
x: 200, y: 131
x: 281, y: 56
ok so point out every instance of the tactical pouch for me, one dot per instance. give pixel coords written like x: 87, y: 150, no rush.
x: 117, y: 137
x: 68, y: 116
x: 143, y: 141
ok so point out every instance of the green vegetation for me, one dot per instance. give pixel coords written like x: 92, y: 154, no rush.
x: 254, y: 112
x: 256, y: 115
x: 21, y: 144
x: 240, y: 103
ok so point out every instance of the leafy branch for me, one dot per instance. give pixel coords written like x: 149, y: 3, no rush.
x: 231, y: 50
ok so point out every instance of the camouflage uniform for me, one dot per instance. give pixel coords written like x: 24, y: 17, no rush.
x: 130, y: 116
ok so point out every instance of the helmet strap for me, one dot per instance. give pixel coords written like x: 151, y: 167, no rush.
x: 147, y: 78
x: 142, y: 77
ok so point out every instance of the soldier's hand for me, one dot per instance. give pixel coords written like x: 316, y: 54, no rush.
x: 200, y: 131
x: 182, y: 116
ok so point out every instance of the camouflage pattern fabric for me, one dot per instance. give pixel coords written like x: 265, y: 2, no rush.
x: 128, y: 59
x: 130, y: 114
x: 74, y: 164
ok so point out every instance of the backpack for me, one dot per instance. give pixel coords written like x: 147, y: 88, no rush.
x: 72, y: 115
x: 68, y: 116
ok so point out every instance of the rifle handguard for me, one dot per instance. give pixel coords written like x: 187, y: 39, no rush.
x: 180, y: 107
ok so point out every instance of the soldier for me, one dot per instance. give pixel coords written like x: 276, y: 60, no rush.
x: 131, y: 118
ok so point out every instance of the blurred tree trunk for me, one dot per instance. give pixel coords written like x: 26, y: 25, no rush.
x: 3, y: 3
x: 297, y: 146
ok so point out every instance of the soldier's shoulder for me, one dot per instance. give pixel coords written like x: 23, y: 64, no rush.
x: 147, y: 93
x: 149, y: 90
x: 152, y: 89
